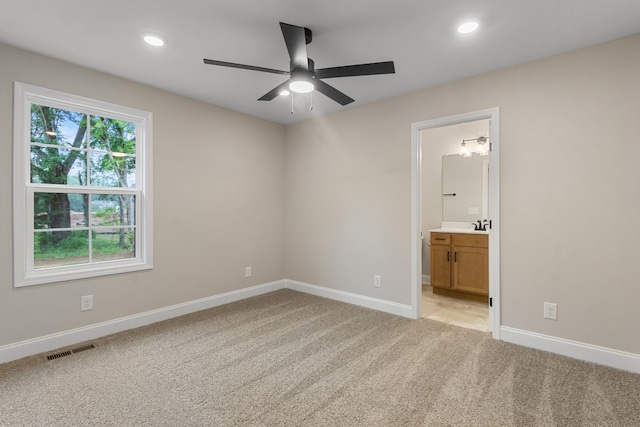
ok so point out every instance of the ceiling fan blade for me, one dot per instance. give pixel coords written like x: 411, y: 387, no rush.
x: 357, y: 70
x: 244, y: 67
x: 295, y: 40
x: 274, y: 92
x: 332, y: 92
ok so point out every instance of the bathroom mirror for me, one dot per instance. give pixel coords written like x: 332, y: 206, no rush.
x: 465, y: 188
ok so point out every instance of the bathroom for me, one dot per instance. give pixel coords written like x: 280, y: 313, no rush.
x: 455, y: 200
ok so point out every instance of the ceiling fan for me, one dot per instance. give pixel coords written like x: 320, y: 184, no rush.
x: 304, y: 77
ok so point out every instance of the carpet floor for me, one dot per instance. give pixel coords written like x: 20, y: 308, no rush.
x: 292, y: 359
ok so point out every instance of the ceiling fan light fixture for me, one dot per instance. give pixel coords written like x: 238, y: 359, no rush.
x: 301, y: 86
x: 284, y: 92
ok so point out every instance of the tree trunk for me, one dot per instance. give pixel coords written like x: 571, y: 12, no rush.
x: 59, y: 216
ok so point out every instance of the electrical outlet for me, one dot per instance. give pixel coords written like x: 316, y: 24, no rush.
x: 550, y: 311
x: 377, y: 281
x: 247, y: 272
x: 86, y: 302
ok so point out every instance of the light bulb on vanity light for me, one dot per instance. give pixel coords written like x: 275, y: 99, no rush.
x: 464, y: 152
x: 482, y: 148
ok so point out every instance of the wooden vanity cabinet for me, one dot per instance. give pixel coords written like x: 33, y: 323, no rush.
x: 460, y: 265
x: 441, y: 260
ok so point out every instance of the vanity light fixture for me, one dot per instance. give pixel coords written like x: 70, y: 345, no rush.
x: 482, y: 148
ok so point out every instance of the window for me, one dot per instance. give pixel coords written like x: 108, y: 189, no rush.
x: 82, y: 187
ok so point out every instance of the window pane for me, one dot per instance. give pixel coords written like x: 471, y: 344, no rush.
x: 109, y: 170
x: 51, y: 165
x: 53, y: 210
x: 116, y: 141
x: 57, y: 126
x: 59, y: 248
x: 112, y: 209
x: 113, y: 243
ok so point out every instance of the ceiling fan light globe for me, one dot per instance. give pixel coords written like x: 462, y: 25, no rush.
x: 301, y: 86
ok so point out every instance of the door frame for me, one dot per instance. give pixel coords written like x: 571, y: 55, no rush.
x: 491, y: 114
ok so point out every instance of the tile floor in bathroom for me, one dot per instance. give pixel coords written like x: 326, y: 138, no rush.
x: 455, y: 311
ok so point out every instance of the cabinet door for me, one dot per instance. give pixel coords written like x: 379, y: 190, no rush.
x: 471, y: 269
x: 441, y: 266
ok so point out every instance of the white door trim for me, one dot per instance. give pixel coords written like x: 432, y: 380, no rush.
x: 492, y: 114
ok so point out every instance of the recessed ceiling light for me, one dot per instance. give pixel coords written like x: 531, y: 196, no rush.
x: 468, y: 27
x: 154, y: 40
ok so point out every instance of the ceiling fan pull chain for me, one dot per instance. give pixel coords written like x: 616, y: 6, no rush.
x: 291, y: 102
x: 311, y: 101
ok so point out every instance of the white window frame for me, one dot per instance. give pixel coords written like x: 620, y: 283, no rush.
x: 23, y: 222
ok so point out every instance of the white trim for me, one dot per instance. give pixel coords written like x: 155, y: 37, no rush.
x: 403, y: 310
x: 416, y: 223
x: 73, y: 336
x: 491, y: 114
x: 574, y: 349
x: 426, y: 279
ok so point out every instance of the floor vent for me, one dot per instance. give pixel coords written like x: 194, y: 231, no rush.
x: 59, y: 355
x: 70, y: 352
x: 83, y: 348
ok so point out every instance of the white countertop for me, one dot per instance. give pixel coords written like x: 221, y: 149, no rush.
x: 459, y: 230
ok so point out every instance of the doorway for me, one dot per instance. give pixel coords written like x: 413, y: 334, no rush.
x: 491, y: 116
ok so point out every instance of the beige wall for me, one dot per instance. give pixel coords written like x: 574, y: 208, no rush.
x: 327, y: 201
x: 218, y: 204
x: 569, y: 139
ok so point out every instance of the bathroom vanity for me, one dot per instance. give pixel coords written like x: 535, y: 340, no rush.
x: 460, y: 264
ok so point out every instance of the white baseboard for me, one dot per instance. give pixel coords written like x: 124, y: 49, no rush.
x: 63, y: 339
x: 577, y: 350
x: 426, y: 279
x: 403, y: 310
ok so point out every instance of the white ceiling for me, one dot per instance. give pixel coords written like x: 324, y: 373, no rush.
x: 418, y: 35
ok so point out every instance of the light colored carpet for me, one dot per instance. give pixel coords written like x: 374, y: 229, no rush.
x: 292, y: 359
